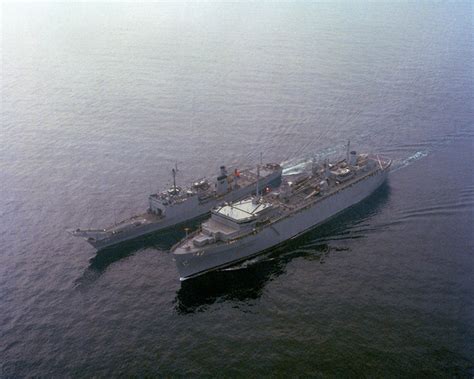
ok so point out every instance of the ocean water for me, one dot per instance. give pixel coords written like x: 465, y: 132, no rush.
x: 98, y: 102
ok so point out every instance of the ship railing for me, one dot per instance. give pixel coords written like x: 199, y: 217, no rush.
x: 310, y: 202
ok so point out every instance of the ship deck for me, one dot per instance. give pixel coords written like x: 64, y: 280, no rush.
x: 249, y: 176
x: 304, y: 195
x: 145, y: 218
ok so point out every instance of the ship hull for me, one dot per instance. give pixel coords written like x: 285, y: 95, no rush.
x: 188, y: 216
x: 153, y: 227
x: 195, y: 264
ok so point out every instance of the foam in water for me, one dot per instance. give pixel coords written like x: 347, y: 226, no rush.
x: 408, y: 161
x: 299, y: 165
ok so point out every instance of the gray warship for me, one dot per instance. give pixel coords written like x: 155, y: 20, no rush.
x: 178, y: 205
x: 242, y: 229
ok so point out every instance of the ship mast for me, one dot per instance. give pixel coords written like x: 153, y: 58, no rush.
x: 257, y: 192
x: 258, y: 180
x: 174, y: 171
x: 348, y: 151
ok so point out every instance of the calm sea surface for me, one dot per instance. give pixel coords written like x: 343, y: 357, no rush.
x: 100, y: 100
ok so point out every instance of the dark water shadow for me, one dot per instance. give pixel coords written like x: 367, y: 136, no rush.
x: 247, y: 280
x: 160, y: 241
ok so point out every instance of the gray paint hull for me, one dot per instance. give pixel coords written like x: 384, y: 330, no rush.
x: 185, y: 217
x: 194, y: 264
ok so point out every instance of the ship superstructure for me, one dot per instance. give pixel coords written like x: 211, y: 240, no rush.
x: 240, y: 230
x: 178, y: 205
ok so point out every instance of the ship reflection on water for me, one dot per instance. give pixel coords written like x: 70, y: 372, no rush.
x: 161, y: 241
x: 246, y: 281
x: 104, y: 258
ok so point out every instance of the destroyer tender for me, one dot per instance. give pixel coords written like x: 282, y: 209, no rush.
x: 242, y: 229
x: 176, y: 205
